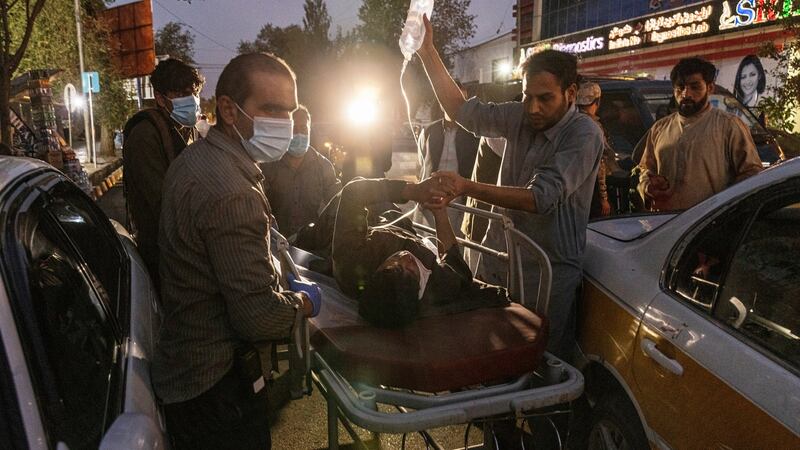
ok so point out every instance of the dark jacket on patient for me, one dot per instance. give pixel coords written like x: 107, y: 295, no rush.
x: 359, y: 247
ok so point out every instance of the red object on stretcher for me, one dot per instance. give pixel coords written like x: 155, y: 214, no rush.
x: 433, y: 354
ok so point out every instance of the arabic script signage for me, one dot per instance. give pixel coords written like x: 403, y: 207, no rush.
x: 698, y: 20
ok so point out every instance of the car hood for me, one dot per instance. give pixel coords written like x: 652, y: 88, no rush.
x: 626, y: 229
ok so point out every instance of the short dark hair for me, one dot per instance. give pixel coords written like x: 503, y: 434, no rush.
x: 687, y: 67
x: 390, y: 299
x: 762, y: 79
x: 174, y: 75
x: 234, y: 81
x: 563, y: 66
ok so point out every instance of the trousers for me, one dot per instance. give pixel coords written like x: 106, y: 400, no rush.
x: 227, y: 416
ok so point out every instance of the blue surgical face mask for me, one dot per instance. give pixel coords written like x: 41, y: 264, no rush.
x: 299, y: 145
x: 185, y: 110
x: 270, y: 139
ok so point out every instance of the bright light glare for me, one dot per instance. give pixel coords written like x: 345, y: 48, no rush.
x: 363, y: 108
x: 77, y: 103
x: 504, y: 69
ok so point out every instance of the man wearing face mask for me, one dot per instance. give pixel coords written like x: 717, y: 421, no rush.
x: 222, y: 298
x: 154, y: 137
x: 697, y: 151
x: 302, y: 182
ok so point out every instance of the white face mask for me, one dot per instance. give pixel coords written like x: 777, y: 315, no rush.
x: 424, y: 274
x: 270, y: 139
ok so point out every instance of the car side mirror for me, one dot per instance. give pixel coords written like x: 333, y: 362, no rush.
x: 133, y: 431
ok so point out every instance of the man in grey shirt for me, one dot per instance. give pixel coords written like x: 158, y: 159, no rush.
x: 222, y: 299
x: 547, y: 174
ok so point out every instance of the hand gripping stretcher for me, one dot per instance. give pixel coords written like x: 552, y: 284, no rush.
x: 483, y: 365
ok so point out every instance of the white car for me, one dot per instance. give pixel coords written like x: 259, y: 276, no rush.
x: 78, y: 320
x: 690, y: 323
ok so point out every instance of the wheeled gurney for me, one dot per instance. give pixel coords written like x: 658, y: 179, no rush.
x: 478, y: 365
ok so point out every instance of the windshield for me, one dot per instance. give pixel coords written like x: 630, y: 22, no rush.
x: 661, y: 103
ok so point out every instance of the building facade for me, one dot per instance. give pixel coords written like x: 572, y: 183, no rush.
x: 486, y: 69
x: 645, y: 38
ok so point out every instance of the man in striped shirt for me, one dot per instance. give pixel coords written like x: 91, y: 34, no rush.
x: 220, y: 290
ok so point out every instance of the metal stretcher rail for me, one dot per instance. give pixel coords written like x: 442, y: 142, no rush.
x: 428, y: 411
x: 515, y: 240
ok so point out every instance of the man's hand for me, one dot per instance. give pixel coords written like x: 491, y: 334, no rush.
x: 427, y: 41
x: 659, y: 191
x: 426, y: 192
x: 605, y: 208
x: 309, y: 291
x: 451, y: 183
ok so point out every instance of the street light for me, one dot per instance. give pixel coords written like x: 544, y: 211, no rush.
x: 363, y: 108
x: 504, y: 69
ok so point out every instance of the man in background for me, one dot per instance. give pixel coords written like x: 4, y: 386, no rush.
x: 444, y: 145
x: 302, y: 182
x: 697, y: 151
x: 154, y: 137
x: 588, y: 101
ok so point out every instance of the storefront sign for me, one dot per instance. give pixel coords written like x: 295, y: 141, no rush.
x: 754, y: 12
x: 678, y: 25
x: 698, y: 20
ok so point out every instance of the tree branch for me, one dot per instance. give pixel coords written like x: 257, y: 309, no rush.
x: 31, y: 20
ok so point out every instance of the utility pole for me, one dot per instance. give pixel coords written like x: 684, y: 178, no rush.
x: 88, y: 127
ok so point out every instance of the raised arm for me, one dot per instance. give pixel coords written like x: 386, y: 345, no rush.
x: 445, y: 236
x: 446, y: 90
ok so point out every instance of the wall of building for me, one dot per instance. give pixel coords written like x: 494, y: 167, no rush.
x: 480, y: 64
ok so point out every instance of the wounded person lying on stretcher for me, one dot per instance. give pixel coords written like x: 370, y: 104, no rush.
x: 395, y: 275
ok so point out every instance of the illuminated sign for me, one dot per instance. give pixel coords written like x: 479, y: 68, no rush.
x: 589, y: 44
x: 753, y: 12
x: 698, y: 20
x: 624, y: 37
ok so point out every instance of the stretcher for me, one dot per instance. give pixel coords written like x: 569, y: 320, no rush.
x: 482, y: 365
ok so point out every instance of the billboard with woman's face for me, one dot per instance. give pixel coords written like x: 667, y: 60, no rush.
x: 748, y: 78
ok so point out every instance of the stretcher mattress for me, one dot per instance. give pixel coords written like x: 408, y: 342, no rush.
x: 433, y: 354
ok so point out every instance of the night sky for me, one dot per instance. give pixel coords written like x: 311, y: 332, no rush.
x: 225, y: 22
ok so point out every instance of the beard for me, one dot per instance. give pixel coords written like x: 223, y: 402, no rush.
x: 689, y: 108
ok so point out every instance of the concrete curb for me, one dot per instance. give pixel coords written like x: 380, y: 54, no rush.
x: 105, y: 178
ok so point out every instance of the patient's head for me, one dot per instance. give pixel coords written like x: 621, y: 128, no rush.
x: 391, y: 298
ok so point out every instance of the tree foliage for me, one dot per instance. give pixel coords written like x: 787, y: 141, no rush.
x: 176, y: 42
x: 54, y: 45
x: 286, y: 42
x: 781, y: 105
x: 382, y: 22
x: 17, y: 20
x: 307, y: 49
x: 317, y: 25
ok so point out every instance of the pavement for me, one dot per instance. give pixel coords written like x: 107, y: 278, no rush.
x: 104, y: 173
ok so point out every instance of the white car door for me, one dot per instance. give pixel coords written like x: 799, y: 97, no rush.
x: 718, y: 354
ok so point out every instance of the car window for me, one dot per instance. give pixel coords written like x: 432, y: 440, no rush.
x: 95, y: 239
x: 697, y: 275
x: 622, y: 121
x: 760, y: 297
x: 70, y: 337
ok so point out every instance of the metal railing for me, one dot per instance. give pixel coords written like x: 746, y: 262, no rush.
x: 515, y: 242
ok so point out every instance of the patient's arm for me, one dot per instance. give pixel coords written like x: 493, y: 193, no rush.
x: 445, y: 236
